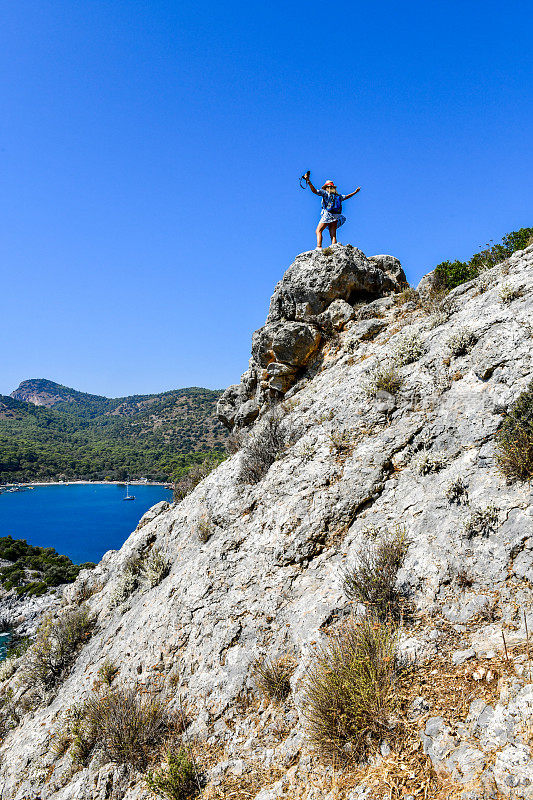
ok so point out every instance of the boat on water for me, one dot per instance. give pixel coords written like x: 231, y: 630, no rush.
x: 128, y: 496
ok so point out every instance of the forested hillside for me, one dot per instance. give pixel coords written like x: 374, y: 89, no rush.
x: 49, y: 431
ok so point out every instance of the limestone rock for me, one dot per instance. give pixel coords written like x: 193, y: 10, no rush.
x: 315, y: 296
x: 269, y: 579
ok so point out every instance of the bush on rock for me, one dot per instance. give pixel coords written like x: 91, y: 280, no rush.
x: 514, y: 441
x: 350, y: 690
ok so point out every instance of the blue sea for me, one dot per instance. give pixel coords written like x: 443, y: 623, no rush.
x: 82, y: 521
x: 3, y: 640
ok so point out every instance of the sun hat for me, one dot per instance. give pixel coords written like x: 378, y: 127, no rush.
x: 329, y: 183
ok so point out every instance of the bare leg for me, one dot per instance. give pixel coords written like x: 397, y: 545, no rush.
x: 321, y: 226
x: 333, y: 232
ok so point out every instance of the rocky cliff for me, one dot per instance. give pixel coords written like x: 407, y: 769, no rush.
x: 388, y: 404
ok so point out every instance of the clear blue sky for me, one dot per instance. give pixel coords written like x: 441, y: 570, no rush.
x: 150, y: 154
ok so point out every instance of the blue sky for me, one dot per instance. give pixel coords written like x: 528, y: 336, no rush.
x: 150, y: 154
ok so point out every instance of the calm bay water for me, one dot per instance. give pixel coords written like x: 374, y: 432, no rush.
x: 82, y: 521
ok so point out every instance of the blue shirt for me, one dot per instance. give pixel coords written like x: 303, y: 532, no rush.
x: 326, y: 198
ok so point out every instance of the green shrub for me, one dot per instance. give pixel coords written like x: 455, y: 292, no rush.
x: 453, y: 273
x: 457, y: 491
x: 373, y: 580
x: 35, y: 570
x: 461, y: 342
x: 382, y: 377
x: 107, y: 672
x: 155, y: 567
x: 177, y: 780
x: 408, y: 349
x: 350, y: 691
x: 124, y: 724
x: 272, y: 676
x: 514, y: 440
x: 56, y: 645
x: 481, y: 522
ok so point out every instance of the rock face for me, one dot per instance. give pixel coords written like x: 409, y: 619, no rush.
x: 258, y: 569
x: 315, y: 296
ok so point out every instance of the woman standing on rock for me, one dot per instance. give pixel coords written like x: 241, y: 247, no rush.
x: 331, y: 216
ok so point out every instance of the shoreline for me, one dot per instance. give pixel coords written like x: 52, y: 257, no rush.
x: 83, y: 483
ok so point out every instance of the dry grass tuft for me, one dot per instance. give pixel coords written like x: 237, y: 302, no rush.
x: 270, y: 438
x: 373, y: 580
x: 350, y: 690
x: 272, y: 676
x: 127, y: 726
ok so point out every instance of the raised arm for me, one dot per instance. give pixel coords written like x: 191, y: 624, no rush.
x: 311, y: 186
x: 347, y: 196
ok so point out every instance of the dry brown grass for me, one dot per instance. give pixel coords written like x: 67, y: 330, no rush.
x: 373, y: 580
x: 272, y: 676
x: 350, y: 689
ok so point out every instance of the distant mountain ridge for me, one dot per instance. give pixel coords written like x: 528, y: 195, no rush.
x: 48, y: 430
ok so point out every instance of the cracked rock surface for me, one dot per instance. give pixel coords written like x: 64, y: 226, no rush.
x: 269, y: 577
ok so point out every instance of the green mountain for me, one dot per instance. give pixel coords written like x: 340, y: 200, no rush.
x: 50, y: 431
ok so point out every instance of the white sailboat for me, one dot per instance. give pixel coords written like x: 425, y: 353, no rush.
x: 128, y: 496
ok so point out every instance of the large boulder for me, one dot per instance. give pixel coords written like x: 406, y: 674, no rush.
x: 314, y: 298
x: 287, y: 342
x: 314, y: 280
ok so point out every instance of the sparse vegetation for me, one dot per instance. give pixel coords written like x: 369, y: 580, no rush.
x: 125, y: 586
x: 155, y: 567
x: 408, y: 349
x: 384, y: 377
x: 372, y: 580
x: 55, y: 648
x: 177, y: 779
x: 407, y: 295
x: 351, y: 689
x: 272, y: 676
x: 457, y: 491
x: 107, y: 672
x: 427, y: 463
x: 341, y: 441
x: 8, y: 668
x: 235, y: 441
x: 482, y: 522
x: 125, y: 724
x: 464, y: 579
x: 461, y: 342
x: 192, y: 478
x: 270, y: 438
x: 204, y: 527
x: 453, y: 273
x: 514, y: 440
x: 509, y: 293
x: 146, y: 570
